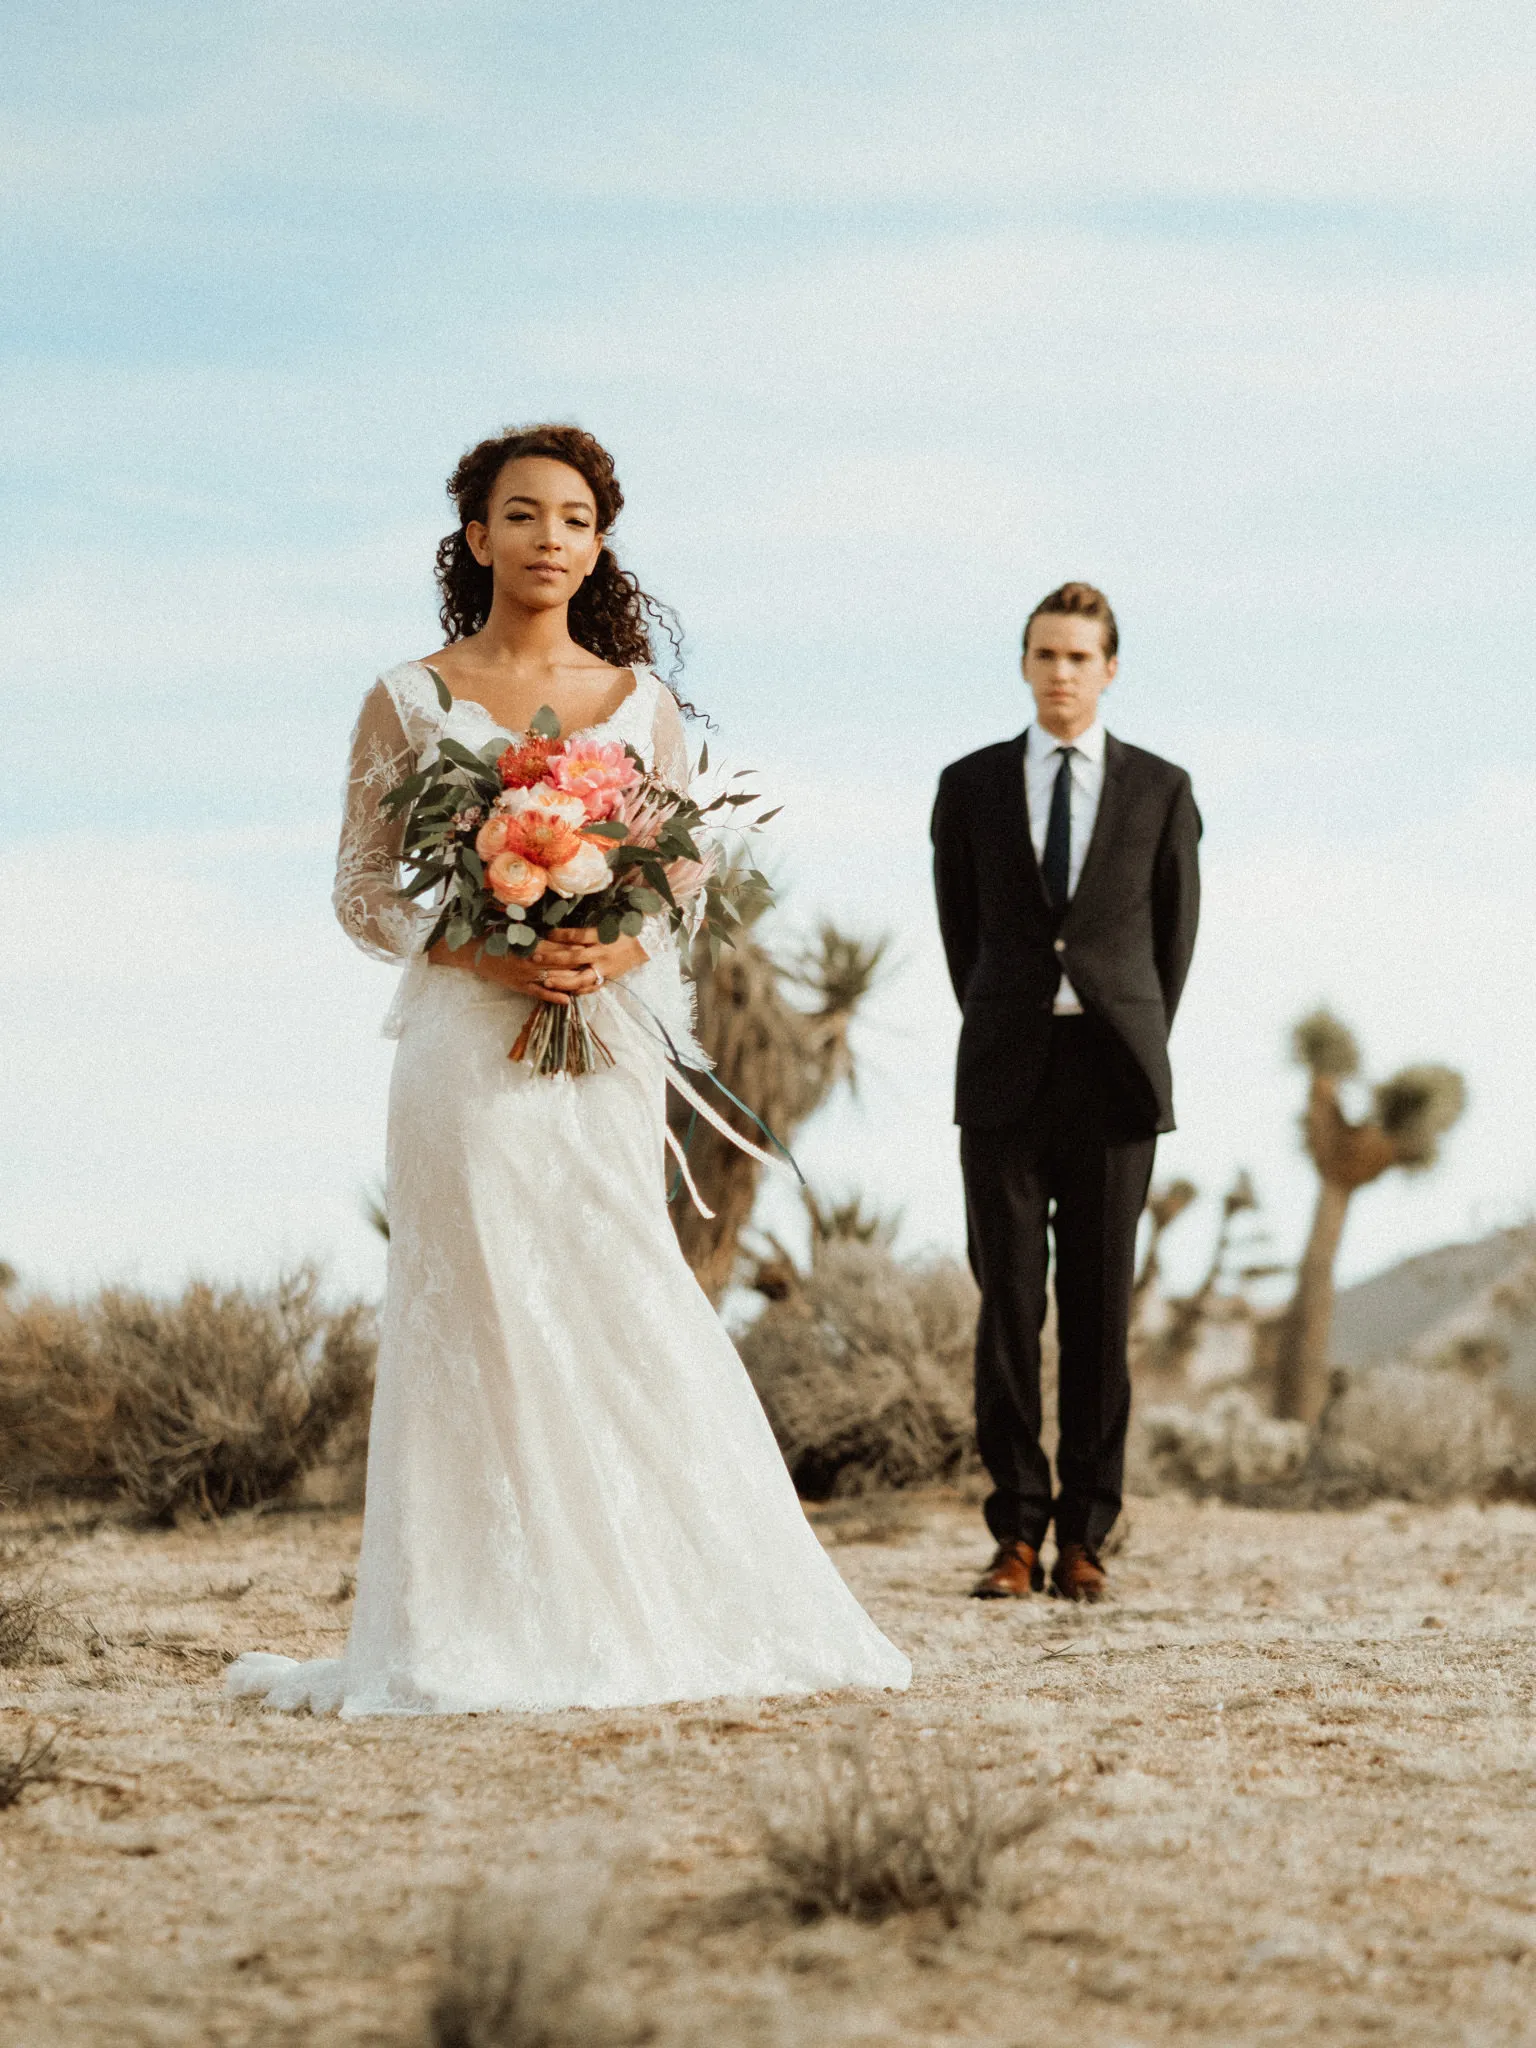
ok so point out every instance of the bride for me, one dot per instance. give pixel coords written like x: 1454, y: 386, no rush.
x: 573, y: 1496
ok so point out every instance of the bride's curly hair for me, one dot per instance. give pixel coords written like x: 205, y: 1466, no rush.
x: 611, y: 616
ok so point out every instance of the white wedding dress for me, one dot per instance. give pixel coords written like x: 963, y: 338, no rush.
x: 573, y: 1495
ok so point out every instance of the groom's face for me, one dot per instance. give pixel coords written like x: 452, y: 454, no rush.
x: 1067, y: 671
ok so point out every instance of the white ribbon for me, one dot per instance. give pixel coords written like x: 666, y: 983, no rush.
x: 692, y: 1097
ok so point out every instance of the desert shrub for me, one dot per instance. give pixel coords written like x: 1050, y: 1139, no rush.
x: 1400, y: 1432
x: 919, y: 1829
x: 1415, y: 1433
x: 1230, y: 1447
x: 217, y: 1400
x: 535, y: 1966
x: 864, y: 1369
x: 35, y: 1763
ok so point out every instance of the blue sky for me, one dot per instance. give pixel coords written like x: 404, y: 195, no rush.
x: 893, y: 317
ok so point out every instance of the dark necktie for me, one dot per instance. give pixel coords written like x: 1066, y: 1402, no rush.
x: 1056, y: 868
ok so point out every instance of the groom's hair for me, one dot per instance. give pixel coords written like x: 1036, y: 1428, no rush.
x: 1079, y: 601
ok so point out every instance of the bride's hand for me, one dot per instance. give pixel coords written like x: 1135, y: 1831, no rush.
x: 575, y: 964
x: 584, y: 955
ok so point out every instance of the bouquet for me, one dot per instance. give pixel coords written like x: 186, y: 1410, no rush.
x: 525, y: 837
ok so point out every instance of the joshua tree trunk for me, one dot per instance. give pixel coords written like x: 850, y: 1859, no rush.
x: 1301, y: 1361
x: 782, y: 1061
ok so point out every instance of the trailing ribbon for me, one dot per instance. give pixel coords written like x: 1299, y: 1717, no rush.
x: 676, y: 1066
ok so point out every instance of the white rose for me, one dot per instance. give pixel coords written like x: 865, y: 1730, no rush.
x: 584, y: 874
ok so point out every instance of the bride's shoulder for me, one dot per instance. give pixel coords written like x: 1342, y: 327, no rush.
x: 412, y: 688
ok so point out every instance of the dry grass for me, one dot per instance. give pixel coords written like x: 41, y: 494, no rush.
x: 25, y: 1609
x: 848, y: 1834
x: 864, y: 1369
x: 536, y: 1965
x: 219, y: 1400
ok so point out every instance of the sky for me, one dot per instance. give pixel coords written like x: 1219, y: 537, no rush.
x: 894, y: 318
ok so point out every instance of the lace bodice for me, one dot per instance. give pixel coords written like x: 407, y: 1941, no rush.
x: 397, y: 732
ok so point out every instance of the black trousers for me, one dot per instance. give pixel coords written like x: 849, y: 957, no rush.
x: 1066, y: 1171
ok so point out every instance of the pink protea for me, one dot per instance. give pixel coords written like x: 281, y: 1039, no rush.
x: 598, y: 771
x: 685, y: 878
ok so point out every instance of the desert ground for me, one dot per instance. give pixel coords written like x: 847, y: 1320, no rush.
x: 1287, y: 1778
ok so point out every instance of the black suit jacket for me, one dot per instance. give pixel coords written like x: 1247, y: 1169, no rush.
x: 1125, y: 940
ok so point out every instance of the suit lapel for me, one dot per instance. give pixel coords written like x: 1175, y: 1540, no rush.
x: 1106, y: 823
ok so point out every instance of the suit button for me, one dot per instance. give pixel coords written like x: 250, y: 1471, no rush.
x: 1061, y: 945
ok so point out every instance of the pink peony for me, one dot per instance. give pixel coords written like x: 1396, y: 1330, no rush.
x: 584, y: 874
x: 511, y: 879
x: 598, y: 771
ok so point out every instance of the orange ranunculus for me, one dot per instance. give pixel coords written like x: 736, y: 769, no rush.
x: 491, y: 839
x: 511, y: 879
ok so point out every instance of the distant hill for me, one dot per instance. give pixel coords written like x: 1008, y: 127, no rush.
x: 1476, y: 1300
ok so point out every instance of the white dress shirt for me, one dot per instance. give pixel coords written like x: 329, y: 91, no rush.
x: 1042, y: 762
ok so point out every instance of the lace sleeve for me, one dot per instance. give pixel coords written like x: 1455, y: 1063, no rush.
x: 669, y: 743
x: 367, y: 893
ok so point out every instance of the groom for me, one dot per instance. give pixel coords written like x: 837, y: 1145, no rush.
x: 1065, y: 864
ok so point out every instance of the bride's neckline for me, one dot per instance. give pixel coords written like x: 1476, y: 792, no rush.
x: 513, y: 732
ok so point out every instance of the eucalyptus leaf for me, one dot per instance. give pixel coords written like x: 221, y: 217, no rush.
x: 427, y: 879
x: 544, y: 724
x: 444, y: 694
x: 630, y: 923
x: 472, y: 865
x: 460, y: 932
x: 608, y: 929
x: 650, y: 901
x: 610, y: 828
x: 461, y: 757
x: 496, y: 944
x: 522, y: 936
x: 704, y: 758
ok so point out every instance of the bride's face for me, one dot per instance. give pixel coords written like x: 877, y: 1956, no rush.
x: 539, y: 537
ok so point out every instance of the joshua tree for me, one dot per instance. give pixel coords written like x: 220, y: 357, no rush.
x: 1180, y: 1338
x: 1164, y: 1208
x: 782, y: 1060
x: 1409, y: 1115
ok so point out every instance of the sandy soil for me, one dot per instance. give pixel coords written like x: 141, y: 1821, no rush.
x: 1291, y: 1778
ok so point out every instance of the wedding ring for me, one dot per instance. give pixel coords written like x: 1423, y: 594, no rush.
x: 599, y: 973
x: 543, y: 977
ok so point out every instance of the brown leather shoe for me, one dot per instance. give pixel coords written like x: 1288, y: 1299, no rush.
x: 1076, y: 1575
x: 1012, y: 1575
